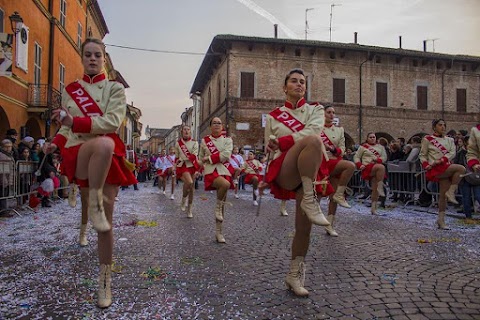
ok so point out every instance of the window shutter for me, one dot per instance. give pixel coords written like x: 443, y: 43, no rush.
x: 339, y: 90
x: 382, y: 98
x: 422, y: 97
x: 247, y: 85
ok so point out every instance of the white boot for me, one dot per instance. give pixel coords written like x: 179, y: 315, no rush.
x: 104, y: 286
x: 310, y: 205
x: 189, y: 211
x: 329, y: 229
x: 219, y: 210
x: 380, y: 190
x: 96, y: 212
x: 296, y: 277
x: 283, y: 208
x: 72, y: 195
x: 441, y: 221
x: 184, y: 203
x: 218, y: 232
x: 450, y: 194
x: 83, y: 235
x: 339, y: 197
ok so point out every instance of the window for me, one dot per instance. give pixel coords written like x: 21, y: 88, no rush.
x: 339, y: 90
x: 219, y: 90
x: 247, y: 85
x: 209, y: 101
x: 90, y: 34
x: 382, y: 94
x: 63, y: 12
x: 79, y: 34
x: 37, y: 64
x: 422, y: 97
x: 2, y: 14
x: 62, y: 77
x: 462, y: 100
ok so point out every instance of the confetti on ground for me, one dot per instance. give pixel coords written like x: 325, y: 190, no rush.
x: 143, y: 223
x: 203, y: 198
x: 390, y: 278
x: 116, y: 268
x: 154, y: 273
x: 469, y: 222
x: 88, y: 282
x: 438, y: 240
x: 192, y: 260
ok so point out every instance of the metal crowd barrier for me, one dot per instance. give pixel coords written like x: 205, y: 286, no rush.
x: 404, y: 180
x: 7, y: 185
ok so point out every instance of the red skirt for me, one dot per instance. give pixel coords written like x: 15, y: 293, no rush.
x: 325, y: 189
x: 184, y: 168
x: 249, y: 177
x: 118, y: 174
x: 273, y: 170
x: 368, y: 170
x: 209, y: 178
x: 437, y: 170
x: 330, y: 165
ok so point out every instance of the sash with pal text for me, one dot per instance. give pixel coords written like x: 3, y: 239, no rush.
x: 214, y: 150
x: 188, y: 154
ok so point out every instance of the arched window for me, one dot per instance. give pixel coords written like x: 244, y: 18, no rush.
x: 219, y: 90
x: 209, y: 101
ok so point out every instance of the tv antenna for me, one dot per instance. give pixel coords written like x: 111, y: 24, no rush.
x: 331, y: 17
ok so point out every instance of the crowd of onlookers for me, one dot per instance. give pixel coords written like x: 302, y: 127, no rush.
x: 35, y: 188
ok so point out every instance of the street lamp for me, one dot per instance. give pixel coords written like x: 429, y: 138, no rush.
x: 306, y: 21
x: 15, y: 19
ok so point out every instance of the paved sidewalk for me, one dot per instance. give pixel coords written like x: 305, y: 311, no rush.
x: 396, y: 266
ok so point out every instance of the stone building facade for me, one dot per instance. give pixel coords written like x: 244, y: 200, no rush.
x: 393, y: 92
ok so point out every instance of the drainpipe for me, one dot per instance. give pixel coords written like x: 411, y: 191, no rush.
x: 443, y: 90
x: 361, y: 103
x: 50, y: 67
x: 227, y: 95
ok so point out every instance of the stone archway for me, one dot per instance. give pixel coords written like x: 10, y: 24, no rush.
x: 349, y: 142
x: 419, y: 134
x: 384, y: 135
x: 4, y: 123
x: 33, y: 128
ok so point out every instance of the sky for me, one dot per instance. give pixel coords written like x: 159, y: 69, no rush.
x: 160, y: 82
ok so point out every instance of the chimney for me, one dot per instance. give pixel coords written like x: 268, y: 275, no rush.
x: 275, y: 30
x: 424, y: 45
x: 355, y: 37
x: 400, y: 42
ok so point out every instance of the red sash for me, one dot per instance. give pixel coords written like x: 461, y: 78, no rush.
x: 235, y: 159
x: 287, y: 119
x: 252, y: 166
x: 90, y: 108
x: 326, y: 141
x: 437, y: 144
x: 214, y: 150
x: 372, y: 150
x: 170, y: 160
x: 187, y: 153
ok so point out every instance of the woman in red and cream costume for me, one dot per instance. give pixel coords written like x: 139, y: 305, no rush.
x: 214, y: 155
x: 236, y: 160
x: 340, y: 171
x: 436, y: 152
x: 169, y: 170
x: 162, y: 172
x: 252, y: 169
x: 292, y: 139
x: 370, y: 158
x: 186, y: 150
x: 93, y: 109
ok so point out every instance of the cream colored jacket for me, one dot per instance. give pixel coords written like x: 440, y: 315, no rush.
x: 192, y: 147
x: 110, y: 97
x: 429, y: 153
x: 312, y: 116
x: 224, y: 146
x: 473, y: 150
x: 249, y: 170
x: 365, y: 156
x: 337, y: 137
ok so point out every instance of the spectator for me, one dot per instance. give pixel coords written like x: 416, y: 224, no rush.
x: 12, y: 136
x: 26, y: 142
x: 348, y: 154
x: 468, y: 184
x: 35, y: 152
x: 6, y: 176
x: 396, y: 153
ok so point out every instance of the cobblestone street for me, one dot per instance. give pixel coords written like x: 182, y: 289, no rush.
x: 395, y: 266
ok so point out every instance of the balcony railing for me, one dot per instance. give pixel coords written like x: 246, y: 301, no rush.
x: 43, y: 96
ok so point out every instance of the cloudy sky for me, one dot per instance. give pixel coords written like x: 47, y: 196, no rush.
x: 160, y: 82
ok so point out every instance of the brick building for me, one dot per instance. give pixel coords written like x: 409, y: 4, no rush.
x: 51, y: 34
x: 393, y: 92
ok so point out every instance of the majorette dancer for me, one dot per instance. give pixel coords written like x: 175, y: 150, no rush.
x: 214, y: 155
x: 252, y: 169
x: 186, y: 150
x: 236, y: 160
x: 436, y: 152
x: 170, y: 170
x: 292, y: 140
x: 93, y: 109
x: 340, y: 171
x: 370, y: 158
x: 162, y: 172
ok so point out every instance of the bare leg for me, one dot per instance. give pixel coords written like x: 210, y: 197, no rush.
x: 187, y: 186
x: 174, y: 177
x: 255, y: 187
x: 84, y: 199
x: 222, y: 185
x: 303, y: 227
x: 105, y: 239
x: 93, y: 162
x: 444, y: 185
x: 332, y: 205
x: 377, y: 174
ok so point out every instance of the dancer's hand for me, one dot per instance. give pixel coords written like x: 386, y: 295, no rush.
x: 362, y: 167
x: 273, y: 145
x: 62, y: 117
x: 476, y: 168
